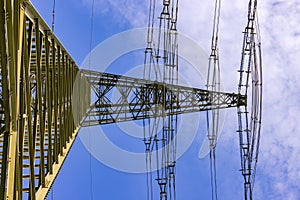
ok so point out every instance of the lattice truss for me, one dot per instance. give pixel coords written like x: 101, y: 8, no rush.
x: 45, y: 99
x: 121, y: 98
x: 37, y: 128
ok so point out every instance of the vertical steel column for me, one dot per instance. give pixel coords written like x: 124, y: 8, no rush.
x: 11, y: 58
x: 55, y: 78
x: 30, y: 129
x: 59, y: 110
x: 15, y: 21
x: 40, y: 110
x: 5, y: 99
x: 62, y: 103
x: 49, y: 105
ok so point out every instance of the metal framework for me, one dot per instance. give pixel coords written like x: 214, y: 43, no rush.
x: 121, y: 98
x: 161, y: 64
x: 213, y: 83
x: 39, y: 83
x: 37, y: 128
x: 249, y: 123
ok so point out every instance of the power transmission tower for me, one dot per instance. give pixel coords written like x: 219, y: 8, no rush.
x: 39, y: 77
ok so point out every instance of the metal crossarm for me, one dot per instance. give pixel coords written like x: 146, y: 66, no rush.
x: 121, y: 98
x: 39, y: 83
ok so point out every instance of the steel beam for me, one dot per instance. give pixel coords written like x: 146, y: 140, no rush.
x: 45, y: 99
x: 121, y: 98
x: 37, y: 128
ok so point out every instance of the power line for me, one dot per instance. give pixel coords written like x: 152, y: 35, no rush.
x: 249, y: 129
x: 53, y: 15
x: 213, y: 84
x: 161, y: 64
x: 91, y: 32
x: 89, y: 64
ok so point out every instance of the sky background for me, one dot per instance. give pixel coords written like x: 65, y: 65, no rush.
x: 278, y: 172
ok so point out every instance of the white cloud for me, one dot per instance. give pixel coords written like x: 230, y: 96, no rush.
x: 130, y: 11
x: 279, y: 170
x: 280, y: 28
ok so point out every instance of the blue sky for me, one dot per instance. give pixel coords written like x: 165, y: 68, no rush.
x: 278, y: 171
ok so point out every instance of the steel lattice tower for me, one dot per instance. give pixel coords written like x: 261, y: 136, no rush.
x: 37, y: 82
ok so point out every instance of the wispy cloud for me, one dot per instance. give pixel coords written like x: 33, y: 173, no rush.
x: 131, y: 12
x: 281, y: 144
x: 279, y: 170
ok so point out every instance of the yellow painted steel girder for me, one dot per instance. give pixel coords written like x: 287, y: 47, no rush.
x: 37, y: 128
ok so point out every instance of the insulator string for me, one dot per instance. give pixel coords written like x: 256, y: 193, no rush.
x: 213, y: 84
x: 161, y: 59
x: 249, y: 129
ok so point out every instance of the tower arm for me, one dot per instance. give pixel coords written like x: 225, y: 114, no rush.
x: 121, y: 98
